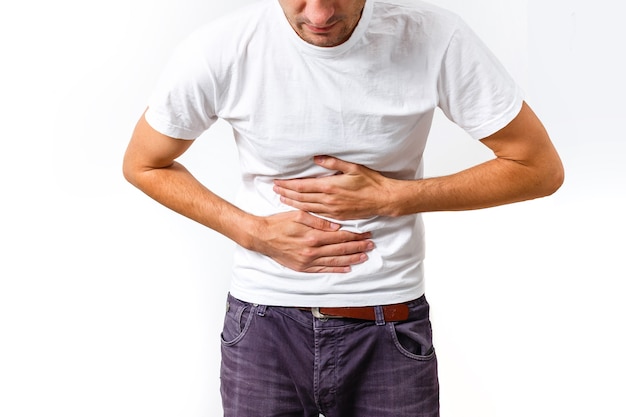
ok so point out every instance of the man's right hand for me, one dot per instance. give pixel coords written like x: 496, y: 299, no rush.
x: 306, y: 243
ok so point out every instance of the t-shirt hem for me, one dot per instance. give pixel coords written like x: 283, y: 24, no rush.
x: 327, y: 300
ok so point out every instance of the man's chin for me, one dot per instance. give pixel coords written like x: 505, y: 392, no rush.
x: 322, y: 39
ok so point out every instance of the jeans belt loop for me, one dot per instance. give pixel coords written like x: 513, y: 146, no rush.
x: 380, y: 315
x: 260, y: 310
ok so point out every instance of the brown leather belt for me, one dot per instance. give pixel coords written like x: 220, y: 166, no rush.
x: 391, y: 312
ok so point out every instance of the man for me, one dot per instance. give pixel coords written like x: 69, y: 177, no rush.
x: 331, y: 103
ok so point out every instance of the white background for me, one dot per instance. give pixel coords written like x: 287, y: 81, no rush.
x: 111, y: 305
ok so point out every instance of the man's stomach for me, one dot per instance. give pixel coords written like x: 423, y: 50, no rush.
x: 393, y: 272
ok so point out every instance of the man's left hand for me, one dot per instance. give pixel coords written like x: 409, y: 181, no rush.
x: 355, y: 192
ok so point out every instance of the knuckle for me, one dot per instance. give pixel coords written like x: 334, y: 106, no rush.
x: 334, y: 262
x: 299, y: 265
x: 327, y: 189
x: 307, y: 254
x: 299, y: 215
x: 344, y: 249
x: 311, y: 241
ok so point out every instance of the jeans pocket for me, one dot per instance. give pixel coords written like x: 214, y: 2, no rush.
x: 413, y: 338
x: 237, y: 321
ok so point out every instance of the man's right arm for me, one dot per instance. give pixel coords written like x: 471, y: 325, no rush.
x: 295, y: 239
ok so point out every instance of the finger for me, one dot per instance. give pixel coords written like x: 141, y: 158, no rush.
x: 298, y: 193
x: 327, y: 239
x: 354, y: 250
x: 337, y: 264
x: 321, y: 209
x: 301, y: 185
x: 327, y: 269
x: 334, y: 164
x: 306, y: 206
x: 329, y: 258
x: 315, y: 222
x: 326, y: 232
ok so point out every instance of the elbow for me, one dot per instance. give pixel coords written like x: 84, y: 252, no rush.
x: 552, y: 179
x: 129, y: 171
x: 558, y: 178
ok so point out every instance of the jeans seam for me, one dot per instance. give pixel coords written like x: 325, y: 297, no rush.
x: 245, y: 329
x: 403, y: 351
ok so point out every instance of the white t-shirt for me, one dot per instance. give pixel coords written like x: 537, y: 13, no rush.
x: 368, y: 101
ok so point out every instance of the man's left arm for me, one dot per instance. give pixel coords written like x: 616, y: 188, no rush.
x: 526, y: 166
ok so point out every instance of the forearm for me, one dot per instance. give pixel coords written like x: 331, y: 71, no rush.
x: 492, y: 183
x: 176, y: 188
x: 526, y: 166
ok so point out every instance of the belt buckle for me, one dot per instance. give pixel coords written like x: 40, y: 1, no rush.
x: 319, y: 315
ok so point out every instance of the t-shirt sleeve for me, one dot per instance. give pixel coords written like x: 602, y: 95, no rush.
x: 182, y: 104
x: 475, y: 90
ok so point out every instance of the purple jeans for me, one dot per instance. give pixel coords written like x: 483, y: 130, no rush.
x: 283, y: 362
